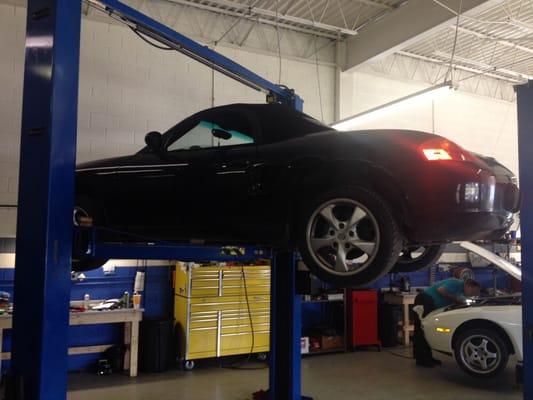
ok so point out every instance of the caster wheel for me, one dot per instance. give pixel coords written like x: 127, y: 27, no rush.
x: 188, y: 365
x: 262, y: 356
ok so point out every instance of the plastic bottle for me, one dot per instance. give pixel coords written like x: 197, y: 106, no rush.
x: 86, y: 299
x: 126, y: 299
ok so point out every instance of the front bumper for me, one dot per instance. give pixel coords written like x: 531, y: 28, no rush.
x: 463, y: 203
x: 468, y: 226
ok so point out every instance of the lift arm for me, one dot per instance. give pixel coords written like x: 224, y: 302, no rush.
x: 147, y: 26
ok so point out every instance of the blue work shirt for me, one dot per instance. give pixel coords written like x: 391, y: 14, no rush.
x: 452, y: 285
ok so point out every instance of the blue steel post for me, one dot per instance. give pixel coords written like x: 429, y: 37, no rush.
x: 525, y: 152
x: 46, y: 197
x: 285, y: 330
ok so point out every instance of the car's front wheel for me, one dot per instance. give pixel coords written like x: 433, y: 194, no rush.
x: 414, y: 257
x: 349, y: 237
x: 481, y: 352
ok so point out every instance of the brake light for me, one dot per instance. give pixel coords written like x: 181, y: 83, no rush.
x: 440, y: 149
x: 436, y: 154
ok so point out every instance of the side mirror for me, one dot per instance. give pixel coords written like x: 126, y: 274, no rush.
x: 221, y: 134
x: 154, y: 140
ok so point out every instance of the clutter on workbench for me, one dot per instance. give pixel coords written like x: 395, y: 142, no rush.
x: 5, y: 305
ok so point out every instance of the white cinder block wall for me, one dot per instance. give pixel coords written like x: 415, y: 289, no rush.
x: 481, y: 124
x: 128, y: 88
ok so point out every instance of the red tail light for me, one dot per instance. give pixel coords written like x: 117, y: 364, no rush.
x: 440, y: 149
x: 436, y: 154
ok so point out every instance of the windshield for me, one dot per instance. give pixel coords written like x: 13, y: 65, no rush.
x: 208, y: 134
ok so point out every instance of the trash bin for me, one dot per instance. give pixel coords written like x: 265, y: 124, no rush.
x: 155, y: 351
x: 389, y: 317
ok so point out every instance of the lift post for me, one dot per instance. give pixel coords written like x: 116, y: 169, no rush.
x: 46, y: 200
x: 525, y: 152
x: 285, y: 330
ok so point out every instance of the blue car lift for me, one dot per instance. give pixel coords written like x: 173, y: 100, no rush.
x: 525, y: 151
x: 46, y: 200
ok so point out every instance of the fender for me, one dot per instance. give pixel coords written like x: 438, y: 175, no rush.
x: 311, y: 174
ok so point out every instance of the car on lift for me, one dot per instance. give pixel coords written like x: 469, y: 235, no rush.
x: 355, y: 204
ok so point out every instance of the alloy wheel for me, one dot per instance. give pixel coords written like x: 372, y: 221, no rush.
x: 480, y: 354
x: 412, y: 253
x: 343, y: 236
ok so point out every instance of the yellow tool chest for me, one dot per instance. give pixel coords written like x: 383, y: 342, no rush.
x: 211, y: 310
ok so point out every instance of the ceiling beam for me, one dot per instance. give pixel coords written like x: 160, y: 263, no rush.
x: 409, y: 23
x: 374, y: 3
x: 481, y: 65
x: 247, y: 9
x: 252, y: 17
x: 475, y: 71
x: 496, y: 39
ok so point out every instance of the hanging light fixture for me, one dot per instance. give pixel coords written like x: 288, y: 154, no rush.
x: 380, y: 111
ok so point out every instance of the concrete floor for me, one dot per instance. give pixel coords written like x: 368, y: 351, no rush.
x: 359, y: 375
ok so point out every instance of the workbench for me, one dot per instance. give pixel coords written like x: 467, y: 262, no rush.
x: 128, y: 316
x: 404, y: 300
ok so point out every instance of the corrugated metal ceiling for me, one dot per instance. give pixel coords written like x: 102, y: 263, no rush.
x: 330, y: 18
x: 497, y: 43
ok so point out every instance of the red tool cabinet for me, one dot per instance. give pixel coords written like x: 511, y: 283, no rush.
x: 363, y: 318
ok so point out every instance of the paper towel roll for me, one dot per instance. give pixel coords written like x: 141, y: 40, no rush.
x: 139, y: 282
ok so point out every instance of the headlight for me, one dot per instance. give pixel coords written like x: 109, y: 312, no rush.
x: 472, y: 192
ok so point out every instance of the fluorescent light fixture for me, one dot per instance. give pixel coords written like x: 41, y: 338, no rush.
x: 380, y: 111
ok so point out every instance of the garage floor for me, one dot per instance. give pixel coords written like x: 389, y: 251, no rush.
x: 360, y: 375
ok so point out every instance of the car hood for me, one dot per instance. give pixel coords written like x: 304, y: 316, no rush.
x: 495, y: 259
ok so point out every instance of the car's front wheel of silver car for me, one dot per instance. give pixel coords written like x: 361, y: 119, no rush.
x: 349, y: 237
x: 481, y: 352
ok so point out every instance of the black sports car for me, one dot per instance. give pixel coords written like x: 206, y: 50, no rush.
x: 355, y: 204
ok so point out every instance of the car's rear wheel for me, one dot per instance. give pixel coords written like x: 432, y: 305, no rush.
x: 414, y: 257
x: 348, y: 237
x: 481, y: 352
x: 81, y: 261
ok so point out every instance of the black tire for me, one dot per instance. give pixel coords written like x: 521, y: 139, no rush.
x: 81, y: 240
x: 429, y: 257
x: 83, y: 264
x: 387, y: 246
x: 495, y: 344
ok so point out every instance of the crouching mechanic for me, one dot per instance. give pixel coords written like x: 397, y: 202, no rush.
x: 442, y: 294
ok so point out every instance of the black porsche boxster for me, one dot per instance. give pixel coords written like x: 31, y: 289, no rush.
x: 355, y: 204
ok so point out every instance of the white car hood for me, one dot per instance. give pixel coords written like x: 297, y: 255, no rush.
x: 500, y: 262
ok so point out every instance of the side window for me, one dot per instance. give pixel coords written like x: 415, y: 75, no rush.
x: 208, y: 133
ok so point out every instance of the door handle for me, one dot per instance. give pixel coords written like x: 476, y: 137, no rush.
x: 232, y: 167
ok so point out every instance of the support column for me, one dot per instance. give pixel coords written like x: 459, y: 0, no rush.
x: 285, y: 330
x: 525, y: 150
x: 46, y: 197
